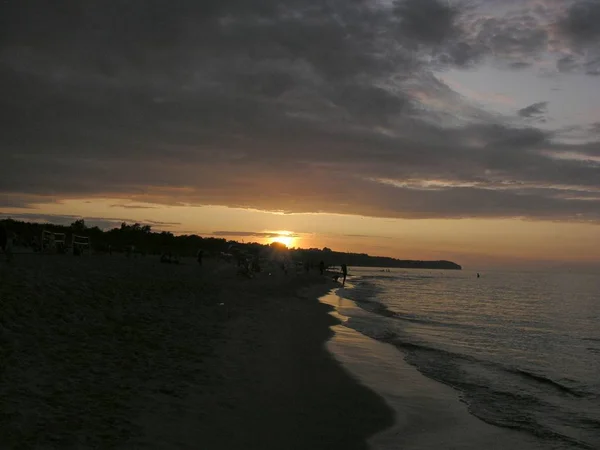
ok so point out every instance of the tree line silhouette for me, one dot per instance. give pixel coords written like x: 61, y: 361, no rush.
x: 148, y: 242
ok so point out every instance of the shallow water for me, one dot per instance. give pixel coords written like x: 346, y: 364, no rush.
x: 523, y: 349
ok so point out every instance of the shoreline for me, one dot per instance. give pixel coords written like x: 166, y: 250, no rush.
x: 113, y: 352
x: 428, y: 413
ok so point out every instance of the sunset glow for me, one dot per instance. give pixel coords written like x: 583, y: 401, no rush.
x: 485, y: 149
x: 285, y: 238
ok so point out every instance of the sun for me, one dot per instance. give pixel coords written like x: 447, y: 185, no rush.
x: 284, y: 238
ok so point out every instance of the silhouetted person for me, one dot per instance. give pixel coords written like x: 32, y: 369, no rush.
x: 344, y: 273
x: 322, y: 267
x: 199, y: 256
x: 477, y: 274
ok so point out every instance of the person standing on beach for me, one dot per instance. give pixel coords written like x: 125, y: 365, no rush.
x: 199, y: 257
x: 322, y: 267
x: 344, y: 273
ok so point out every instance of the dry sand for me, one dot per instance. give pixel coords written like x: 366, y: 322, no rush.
x: 109, y: 352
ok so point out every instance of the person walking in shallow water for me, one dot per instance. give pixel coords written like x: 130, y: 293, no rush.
x: 344, y: 273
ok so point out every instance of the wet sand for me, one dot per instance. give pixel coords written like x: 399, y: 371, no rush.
x: 110, y: 352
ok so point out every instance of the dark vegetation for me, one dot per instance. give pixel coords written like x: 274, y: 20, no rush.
x: 146, y: 241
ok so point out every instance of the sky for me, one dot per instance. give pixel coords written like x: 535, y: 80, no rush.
x: 422, y: 129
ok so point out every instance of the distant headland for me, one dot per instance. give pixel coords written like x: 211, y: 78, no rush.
x: 146, y: 241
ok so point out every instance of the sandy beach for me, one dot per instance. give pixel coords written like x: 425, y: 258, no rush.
x: 111, y: 352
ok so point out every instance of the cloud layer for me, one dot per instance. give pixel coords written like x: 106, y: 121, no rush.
x: 297, y: 106
x: 100, y: 222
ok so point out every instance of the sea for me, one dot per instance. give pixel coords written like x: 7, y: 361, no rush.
x: 521, y: 349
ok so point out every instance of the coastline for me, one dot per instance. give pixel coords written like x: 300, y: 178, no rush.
x: 428, y: 414
x: 113, y: 352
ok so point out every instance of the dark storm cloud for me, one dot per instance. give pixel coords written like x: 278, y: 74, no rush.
x: 535, y: 30
x: 295, y: 106
x: 436, y: 31
x: 581, y: 22
x: 427, y: 21
x: 536, y: 109
x: 515, y: 38
x: 578, y: 37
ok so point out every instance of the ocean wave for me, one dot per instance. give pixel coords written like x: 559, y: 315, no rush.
x: 499, y: 405
x: 555, y: 385
x: 364, y: 293
x: 412, y: 318
x: 547, y: 381
x: 375, y: 307
x: 361, y: 290
x: 411, y: 346
x: 379, y: 308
